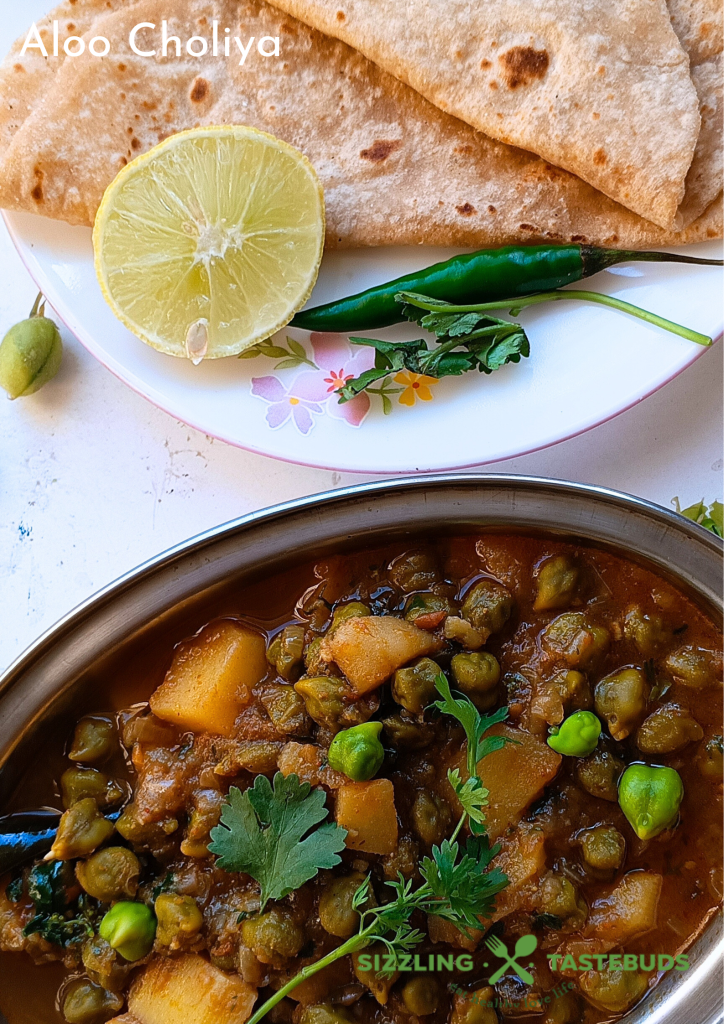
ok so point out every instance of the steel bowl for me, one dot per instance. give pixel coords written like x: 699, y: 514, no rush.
x: 41, y: 689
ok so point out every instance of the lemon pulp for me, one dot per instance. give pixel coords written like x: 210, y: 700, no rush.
x: 210, y: 242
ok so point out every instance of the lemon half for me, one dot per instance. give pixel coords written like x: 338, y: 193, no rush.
x: 210, y: 242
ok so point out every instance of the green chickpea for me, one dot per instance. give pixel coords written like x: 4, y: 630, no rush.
x: 130, y: 928
x: 574, y: 690
x: 613, y: 991
x: 406, y: 732
x: 695, y: 666
x: 487, y: 606
x: 571, y: 638
x: 326, y: 699
x: 667, y: 729
x: 620, y: 699
x: 421, y: 995
x: 357, y: 752
x: 647, y: 632
x: 475, y: 1007
x: 30, y: 353
x: 78, y: 783
x: 415, y: 570
x: 109, y: 874
x: 430, y: 817
x: 103, y: 964
x: 577, y: 736
x: 286, y: 652
x: 322, y: 1014
x: 287, y: 710
x: 603, y: 847
x: 84, y: 1002
x: 427, y: 604
x: 155, y: 835
x: 81, y: 830
x: 414, y: 687
x: 336, y: 913
x: 559, y: 897
x: 179, y: 919
x: 711, y: 758
x: 599, y: 775
x: 273, y: 936
x: 477, y: 674
x: 564, y: 1009
x: 556, y: 583
x: 351, y: 610
x: 650, y: 798
x: 94, y: 739
x: 259, y: 757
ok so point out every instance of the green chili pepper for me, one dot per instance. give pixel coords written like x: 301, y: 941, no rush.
x: 357, y: 752
x: 130, y: 928
x: 650, y: 798
x: 483, y: 276
x: 577, y: 736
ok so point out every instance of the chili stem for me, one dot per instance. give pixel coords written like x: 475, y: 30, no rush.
x: 586, y: 296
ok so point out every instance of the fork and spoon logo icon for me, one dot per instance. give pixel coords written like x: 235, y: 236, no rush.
x: 525, y: 945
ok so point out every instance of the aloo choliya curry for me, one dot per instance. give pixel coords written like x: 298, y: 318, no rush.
x: 380, y: 756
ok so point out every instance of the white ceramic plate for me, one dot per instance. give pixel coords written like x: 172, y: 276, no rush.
x: 587, y: 364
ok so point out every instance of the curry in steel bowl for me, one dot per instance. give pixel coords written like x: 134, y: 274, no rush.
x: 305, y: 767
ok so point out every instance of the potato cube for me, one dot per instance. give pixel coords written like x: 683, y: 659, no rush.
x: 629, y: 910
x: 211, y: 678
x: 367, y: 811
x: 370, y: 649
x: 189, y: 990
x: 514, y: 776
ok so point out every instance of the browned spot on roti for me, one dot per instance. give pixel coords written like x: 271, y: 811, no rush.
x: 37, y: 190
x: 147, y: 105
x: 380, y: 150
x: 527, y: 227
x: 491, y: 209
x: 71, y: 26
x: 18, y: 67
x: 466, y: 210
x: 595, y: 116
x: 123, y: 162
x: 601, y: 70
x: 523, y: 65
x: 493, y: 84
x: 203, y: 21
x: 578, y: 238
x: 486, y: 64
x: 706, y: 29
x: 135, y: 143
x: 599, y: 158
x: 340, y: 15
x: 199, y: 90
x: 465, y: 149
x: 121, y: 67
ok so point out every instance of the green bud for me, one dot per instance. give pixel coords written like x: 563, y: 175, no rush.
x: 130, y: 929
x: 577, y: 736
x: 357, y: 752
x: 650, y: 798
x: 30, y: 355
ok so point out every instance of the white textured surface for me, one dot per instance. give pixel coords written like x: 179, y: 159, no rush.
x: 94, y: 480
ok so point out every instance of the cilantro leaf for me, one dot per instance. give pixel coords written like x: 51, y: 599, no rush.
x: 465, y: 888
x: 472, y: 794
x: 270, y: 832
x: 711, y: 518
x: 474, y: 724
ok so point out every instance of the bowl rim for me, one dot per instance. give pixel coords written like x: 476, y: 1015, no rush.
x: 327, y: 498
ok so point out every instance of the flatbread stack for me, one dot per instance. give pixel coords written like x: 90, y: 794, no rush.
x: 436, y: 122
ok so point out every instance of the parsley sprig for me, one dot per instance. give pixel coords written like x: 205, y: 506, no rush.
x: 469, y: 337
x: 458, y: 882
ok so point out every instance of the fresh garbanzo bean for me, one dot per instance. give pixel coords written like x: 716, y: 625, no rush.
x: 414, y: 687
x: 620, y: 699
x: 110, y: 874
x: 667, y: 729
x: 604, y: 848
x: 556, y: 583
